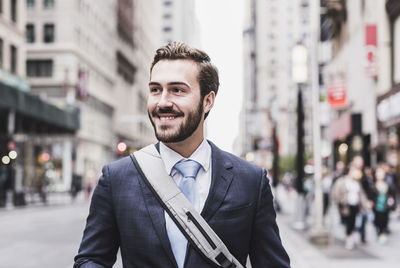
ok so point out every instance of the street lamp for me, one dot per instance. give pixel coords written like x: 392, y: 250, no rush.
x: 319, y: 234
x: 299, y: 75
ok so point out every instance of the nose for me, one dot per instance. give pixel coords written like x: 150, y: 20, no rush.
x: 164, y: 100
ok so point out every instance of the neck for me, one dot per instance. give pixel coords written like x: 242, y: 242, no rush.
x: 188, y: 146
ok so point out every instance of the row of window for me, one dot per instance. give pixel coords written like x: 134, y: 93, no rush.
x: 46, y: 3
x: 39, y: 68
x: 13, y: 57
x: 13, y: 9
x: 48, y: 33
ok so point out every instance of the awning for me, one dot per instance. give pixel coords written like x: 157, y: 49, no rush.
x: 29, y: 106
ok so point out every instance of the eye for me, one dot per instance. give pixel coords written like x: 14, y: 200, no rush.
x: 155, y: 90
x: 177, y: 90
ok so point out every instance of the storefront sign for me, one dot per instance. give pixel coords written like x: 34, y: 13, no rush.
x: 337, y: 95
x: 388, y: 108
x: 371, y: 67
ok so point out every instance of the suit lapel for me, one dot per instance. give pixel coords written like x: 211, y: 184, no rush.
x: 220, y: 181
x: 157, y: 216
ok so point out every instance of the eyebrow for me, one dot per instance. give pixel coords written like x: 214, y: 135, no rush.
x: 169, y: 84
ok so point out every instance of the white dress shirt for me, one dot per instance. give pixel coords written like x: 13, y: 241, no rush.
x: 202, y: 155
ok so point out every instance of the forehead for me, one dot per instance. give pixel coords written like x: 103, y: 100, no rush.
x: 174, y: 70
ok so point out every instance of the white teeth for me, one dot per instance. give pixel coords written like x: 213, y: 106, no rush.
x: 164, y: 118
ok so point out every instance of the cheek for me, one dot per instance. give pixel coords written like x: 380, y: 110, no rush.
x: 151, y: 104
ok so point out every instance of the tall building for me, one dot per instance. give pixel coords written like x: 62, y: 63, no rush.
x: 178, y: 22
x: 364, y: 70
x: 26, y: 122
x: 72, y: 61
x: 138, y: 37
x: 272, y: 29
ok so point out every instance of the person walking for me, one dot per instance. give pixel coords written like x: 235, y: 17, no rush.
x: 367, y: 185
x: 383, y: 201
x: 348, y: 194
x: 233, y: 196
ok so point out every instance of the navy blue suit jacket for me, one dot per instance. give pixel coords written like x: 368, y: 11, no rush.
x: 124, y: 214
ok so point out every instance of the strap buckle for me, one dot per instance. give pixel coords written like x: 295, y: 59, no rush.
x: 224, y: 262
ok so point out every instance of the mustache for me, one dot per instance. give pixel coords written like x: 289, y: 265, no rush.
x: 159, y: 111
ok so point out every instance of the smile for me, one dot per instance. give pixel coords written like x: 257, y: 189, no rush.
x: 166, y: 118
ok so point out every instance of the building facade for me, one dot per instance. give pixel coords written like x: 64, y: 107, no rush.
x: 26, y: 120
x: 178, y: 22
x: 271, y: 30
x: 358, y: 73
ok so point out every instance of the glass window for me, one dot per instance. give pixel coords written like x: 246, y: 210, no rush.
x: 30, y: 3
x: 13, y: 10
x: 167, y: 3
x: 13, y: 59
x: 48, y: 3
x: 30, y: 33
x: 167, y: 29
x: 39, y: 68
x: 48, y: 33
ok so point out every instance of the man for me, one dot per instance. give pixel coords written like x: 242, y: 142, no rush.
x: 234, y: 196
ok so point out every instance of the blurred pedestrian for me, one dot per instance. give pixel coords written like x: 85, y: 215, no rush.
x: 383, y: 200
x: 348, y: 194
x: 76, y: 185
x: 326, y: 188
x: 339, y: 171
x: 367, y: 184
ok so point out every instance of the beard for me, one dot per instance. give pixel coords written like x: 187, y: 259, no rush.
x: 165, y: 133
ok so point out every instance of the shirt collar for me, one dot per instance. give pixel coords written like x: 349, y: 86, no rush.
x: 202, y: 155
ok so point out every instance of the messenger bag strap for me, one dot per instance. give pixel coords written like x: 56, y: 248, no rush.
x: 150, y: 166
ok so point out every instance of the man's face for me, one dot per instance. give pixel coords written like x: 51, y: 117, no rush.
x: 175, y: 106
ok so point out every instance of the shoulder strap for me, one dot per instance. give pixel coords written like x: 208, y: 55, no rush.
x: 149, y: 164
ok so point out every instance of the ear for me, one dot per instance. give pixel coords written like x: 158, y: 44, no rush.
x: 208, y: 101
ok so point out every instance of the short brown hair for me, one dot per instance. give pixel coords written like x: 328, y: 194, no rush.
x: 208, y: 73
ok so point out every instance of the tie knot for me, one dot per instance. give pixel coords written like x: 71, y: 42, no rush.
x: 188, y: 168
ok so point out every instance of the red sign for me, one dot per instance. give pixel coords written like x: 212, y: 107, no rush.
x: 371, y: 50
x: 337, y: 95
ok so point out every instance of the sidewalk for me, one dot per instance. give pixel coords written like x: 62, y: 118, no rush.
x: 53, y: 199
x: 303, y: 254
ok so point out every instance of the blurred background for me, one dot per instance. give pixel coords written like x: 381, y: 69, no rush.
x: 307, y: 87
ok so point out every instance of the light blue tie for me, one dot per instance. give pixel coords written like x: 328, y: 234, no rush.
x: 188, y: 169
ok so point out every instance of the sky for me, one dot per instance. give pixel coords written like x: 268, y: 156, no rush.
x: 220, y: 24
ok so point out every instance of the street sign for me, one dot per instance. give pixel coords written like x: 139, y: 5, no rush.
x: 337, y: 95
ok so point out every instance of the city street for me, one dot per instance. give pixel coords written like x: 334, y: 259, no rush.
x: 41, y: 236
x: 49, y: 236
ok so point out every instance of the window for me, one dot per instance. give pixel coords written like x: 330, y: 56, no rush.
x: 14, y: 10
x: 30, y: 3
x: 39, y: 68
x: 167, y: 29
x: 48, y: 4
x: 167, y: 16
x: 13, y: 59
x: 1, y: 52
x: 30, y: 33
x: 48, y: 35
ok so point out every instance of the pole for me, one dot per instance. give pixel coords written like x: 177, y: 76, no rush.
x: 300, y: 143
x: 319, y: 235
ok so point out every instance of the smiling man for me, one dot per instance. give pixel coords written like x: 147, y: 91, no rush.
x: 233, y: 196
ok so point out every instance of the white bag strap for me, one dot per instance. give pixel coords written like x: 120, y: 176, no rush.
x: 149, y: 164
